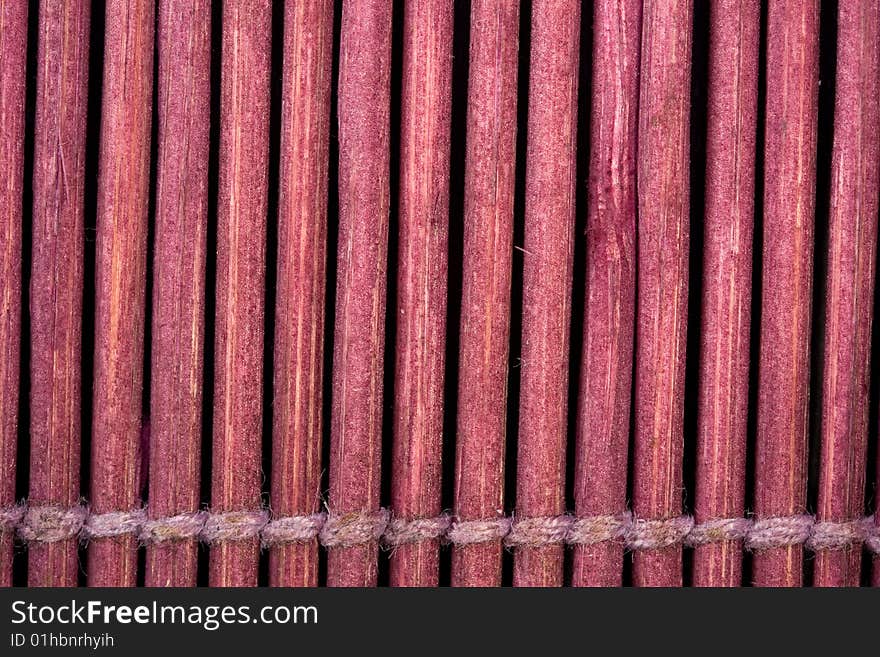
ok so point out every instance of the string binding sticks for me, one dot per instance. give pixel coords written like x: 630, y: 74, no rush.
x: 47, y: 524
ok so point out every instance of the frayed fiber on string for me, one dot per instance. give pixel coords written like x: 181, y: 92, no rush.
x: 49, y: 524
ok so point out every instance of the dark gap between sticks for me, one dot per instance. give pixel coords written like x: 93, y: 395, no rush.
x: 457, y: 160
x: 698, y: 136
x: 390, y: 346
x: 210, y: 277
x: 276, y: 79
x: 824, y: 143
x: 757, y: 266
x: 149, y: 269
x: 22, y: 455
x: 332, y: 244
x: 516, y: 278
x: 143, y: 454
x: 90, y: 216
x: 870, y: 492
x: 579, y: 270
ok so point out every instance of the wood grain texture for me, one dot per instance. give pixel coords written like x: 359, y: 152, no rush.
x: 484, y: 336
x: 609, y: 312
x: 301, y: 286
x: 787, y: 277
x: 852, y: 246
x: 423, y: 245
x: 13, y: 45
x: 362, y: 266
x: 547, y: 279
x: 57, y: 276
x: 123, y: 204
x: 728, y: 228
x: 663, y: 242
x: 178, y: 322
x: 241, y: 270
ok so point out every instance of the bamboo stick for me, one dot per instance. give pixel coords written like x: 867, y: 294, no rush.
x: 57, y: 276
x: 300, y: 301
x: 423, y: 245
x: 184, y: 51
x: 727, y: 282
x: 609, y: 313
x: 547, y: 276
x: 358, y: 350
x: 123, y: 199
x: 241, y: 269
x: 789, y: 206
x: 485, y: 303
x: 850, y: 287
x: 663, y: 241
x: 13, y: 45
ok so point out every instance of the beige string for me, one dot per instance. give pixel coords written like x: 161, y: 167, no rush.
x: 46, y: 524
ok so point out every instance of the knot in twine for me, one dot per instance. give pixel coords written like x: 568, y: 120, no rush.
x: 835, y: 535
x: 234, y: 526
x: 658, y: 534
x: 535, y: 532
x: 10, y: 517
x: 468, y: 532
x: 183, y: 526
x: 49, y: 524
x: 400, y: 531
x: 872, y: 534
x: 293, y: 529
x: 113, y: 523
x: 355, y: 528
x: 781, y: 531
x: 599, y: 529
x: 718, y: 530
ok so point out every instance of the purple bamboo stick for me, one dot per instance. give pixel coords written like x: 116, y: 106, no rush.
x: 123, y: 199
x: 184, y: 51
x: 727, y: 282
x: 421, y: 308
x: 57, y: 276
x: 485, y: 303
x: 547, y: 274
x: 302, y: 257
x: 850, y: 287
x: 663, y: 240
x: 358, y: 350
x: 13, y: 45
x: 609, y: 314
x: 789, y: 205
x: 241, y: 269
